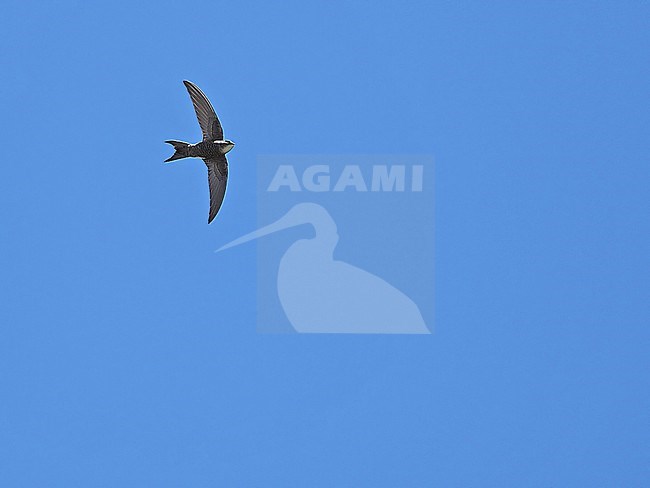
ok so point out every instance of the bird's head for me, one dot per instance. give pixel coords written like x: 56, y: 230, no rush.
x: 229, y: 145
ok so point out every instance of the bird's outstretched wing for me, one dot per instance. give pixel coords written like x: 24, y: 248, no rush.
x: 217, y: 179
x: 208, y: 120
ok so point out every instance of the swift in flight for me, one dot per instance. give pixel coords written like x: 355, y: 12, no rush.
x: 212, y: 149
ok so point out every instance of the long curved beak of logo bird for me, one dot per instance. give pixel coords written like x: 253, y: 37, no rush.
x: 280, y: 224
x: 301, y: 213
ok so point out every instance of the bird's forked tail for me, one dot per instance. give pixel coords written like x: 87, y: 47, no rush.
x: 181, y: 150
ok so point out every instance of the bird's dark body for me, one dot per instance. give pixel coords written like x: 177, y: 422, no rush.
x: 207, y: 149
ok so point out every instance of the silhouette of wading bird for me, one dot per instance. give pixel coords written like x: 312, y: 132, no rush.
x: 212, y: 149
x: 320, y: 294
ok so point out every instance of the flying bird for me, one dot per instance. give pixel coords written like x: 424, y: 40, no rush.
x: 212, y: 149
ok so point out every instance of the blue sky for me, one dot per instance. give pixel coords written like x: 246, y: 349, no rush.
x: 128, y: 350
